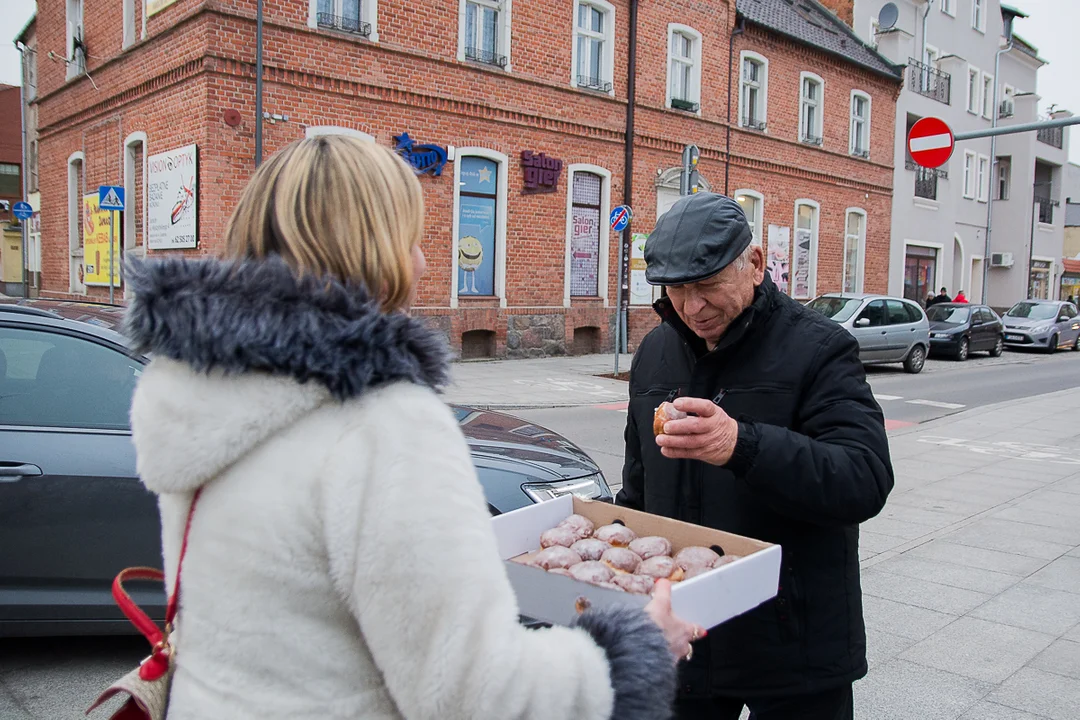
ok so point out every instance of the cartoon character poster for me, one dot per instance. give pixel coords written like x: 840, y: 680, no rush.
x: 96, y: 228
x: 172, y: 195
x: 476, y: 226
x: 779, y: 257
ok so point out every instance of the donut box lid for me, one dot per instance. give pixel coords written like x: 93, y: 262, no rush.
x: 708, y: 599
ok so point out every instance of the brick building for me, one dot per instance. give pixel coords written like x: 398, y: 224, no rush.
x: 520, y: 259
x: 10, y: 150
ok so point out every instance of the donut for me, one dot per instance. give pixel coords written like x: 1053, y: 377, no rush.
x: 636, y: 584
x: 647, y: 547
x: 591, y: 571
x: 590, y: 548
x: 556, y: 556
x: 558, y: 536
x: 661, y: 567
x: 621, y: 560
x: 560, y: 571
x: 580, y: 525
x: 665, y: 412
x: 694, y: 561
x: 725, y: 559
x: 617, y: 535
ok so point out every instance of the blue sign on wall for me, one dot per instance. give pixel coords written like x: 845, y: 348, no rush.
x: 423, y: 158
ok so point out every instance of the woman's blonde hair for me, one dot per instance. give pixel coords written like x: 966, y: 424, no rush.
x: 338, y: 206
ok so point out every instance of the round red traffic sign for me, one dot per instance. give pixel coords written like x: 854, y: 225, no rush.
x: 930, y: 142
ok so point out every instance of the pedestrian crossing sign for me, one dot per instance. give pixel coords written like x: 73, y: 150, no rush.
x: 111, y: 197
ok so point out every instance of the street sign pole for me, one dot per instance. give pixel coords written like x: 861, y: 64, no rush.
x: 111, y: 198
x: 112, y: 252
x: 24, y: 212
x: 619, y: 221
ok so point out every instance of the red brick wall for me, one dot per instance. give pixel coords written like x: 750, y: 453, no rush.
x: 198, y: 62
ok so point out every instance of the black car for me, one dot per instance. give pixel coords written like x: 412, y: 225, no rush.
x: 959, y: 329
x: 72, y: 510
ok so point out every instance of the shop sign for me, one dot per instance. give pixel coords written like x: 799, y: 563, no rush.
x: 422, y: 158
x: 541, y: 172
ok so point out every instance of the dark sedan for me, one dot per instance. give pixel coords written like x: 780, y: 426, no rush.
x: 72, y: 510
x: 959, y: 329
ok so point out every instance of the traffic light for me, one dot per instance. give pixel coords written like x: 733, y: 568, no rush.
x: 690, y: 181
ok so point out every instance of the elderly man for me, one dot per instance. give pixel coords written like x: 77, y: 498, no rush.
x: 784, y: 443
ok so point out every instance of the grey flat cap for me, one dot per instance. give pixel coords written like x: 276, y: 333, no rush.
x: 698, y: 237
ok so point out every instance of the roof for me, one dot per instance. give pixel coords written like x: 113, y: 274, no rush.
x: 21, y: 37
x: 1010, y: 10
x: 1071, y: 265
x: 1027, y: 48
x: 808, y: 22
x: 1072, y: 214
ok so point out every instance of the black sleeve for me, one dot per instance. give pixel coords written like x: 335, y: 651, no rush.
x: 632, y: 494
x: 836, y: 469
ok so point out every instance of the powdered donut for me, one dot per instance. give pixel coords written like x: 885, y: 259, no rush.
x: 647, y: 547
x: 560, y: 571
x: 694, y: 561
x: 590, y: 548
x: 658, y: 567
x: 592, y: 571
x: 581, y: 526
x: 636, y: 584
x: 617, y: 535
x: 621, y: 560
x: 563, y: 536
x: 665, y: 412
x: 556, y: 556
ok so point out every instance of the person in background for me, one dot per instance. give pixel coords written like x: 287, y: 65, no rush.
x: 942, y: 297
x: 960, y: 297
x: 332, y: 570
x: 929, y: 300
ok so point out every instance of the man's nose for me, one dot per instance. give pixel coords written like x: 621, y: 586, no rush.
x: 694, y: 304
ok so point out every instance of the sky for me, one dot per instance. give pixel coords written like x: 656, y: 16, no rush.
x: 1052, y: 27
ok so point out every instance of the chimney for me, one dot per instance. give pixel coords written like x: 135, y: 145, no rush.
x: 843, y: 9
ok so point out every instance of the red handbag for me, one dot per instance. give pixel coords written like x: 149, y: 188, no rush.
x: 148, y: 685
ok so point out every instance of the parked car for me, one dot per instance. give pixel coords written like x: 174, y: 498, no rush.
x: 1043, y: 324
x: 72, y: 510
x: 958, y: 329
x: 889, y: 330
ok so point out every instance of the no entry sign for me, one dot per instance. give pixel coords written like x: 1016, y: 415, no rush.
x: 930, y: 142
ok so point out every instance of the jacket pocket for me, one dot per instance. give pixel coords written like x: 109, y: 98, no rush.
x: 789, y: 605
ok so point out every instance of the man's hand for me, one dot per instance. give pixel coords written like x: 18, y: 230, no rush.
x: 709, y: 437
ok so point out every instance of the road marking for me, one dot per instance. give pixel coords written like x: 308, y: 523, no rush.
x: 887, y: 397
x: 1008, y: 450
x: 936, y: 404
x: 896, y: 424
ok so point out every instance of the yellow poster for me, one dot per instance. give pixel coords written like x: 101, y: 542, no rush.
x: 153, y: 7
x: 96, y: 224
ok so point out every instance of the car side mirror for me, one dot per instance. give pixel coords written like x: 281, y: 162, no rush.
x: 1063, y: 318
x: 862, y: 322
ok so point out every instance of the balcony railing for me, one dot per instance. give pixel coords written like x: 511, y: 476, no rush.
x: 1046, y: 208
x: 687, y: 105
x: 753, y: 124
x: 591, y: 83
x: 355, y: 26
x: 926, y: 179
x: 1049, y: 136
x: 809, y: 139
x: 485, y: 56
x: 929, y: 81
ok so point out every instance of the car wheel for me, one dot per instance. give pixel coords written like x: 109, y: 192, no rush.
x: 1000, y: 345
x: 962, y: 350
x: 915, y: 360
x: 1051, y: 347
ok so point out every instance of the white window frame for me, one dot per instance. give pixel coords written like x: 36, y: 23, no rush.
x: 983, y: 174
x: 970, y: 168
x: 369, y: 13
x: 987, y: 98
x: 695, y: 62
x: 605, y: 229
x: 609, y: 43
x: 502, y: 45
x: 131, y: 221
x: 804, y: 131
x: 764, y: 90
x: 948, y: 7
x: 759, y: 215
x: 860, y: 255
x: 978, y: 15
x: 76, y: 64
x: 815, y: 241
x: 999, y: 168
x: 866, y: 124
x: 974, y: 95
x: 503, y: 163
x: 129, y: 24
x: 316, y: 130
x: 76, y: 167
x: 875, y: 28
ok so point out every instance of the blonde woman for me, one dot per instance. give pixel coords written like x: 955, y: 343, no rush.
x: 341, y: 561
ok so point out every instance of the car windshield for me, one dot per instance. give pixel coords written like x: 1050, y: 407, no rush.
x: 837, y: 308
x: 1033, y: 311
x: 945, y: 314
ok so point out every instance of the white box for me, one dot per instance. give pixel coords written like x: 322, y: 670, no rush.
x: 708, y: 599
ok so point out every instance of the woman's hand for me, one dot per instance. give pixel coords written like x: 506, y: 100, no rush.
x: 678, y: 632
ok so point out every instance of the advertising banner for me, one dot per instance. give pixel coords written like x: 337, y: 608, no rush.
x: 777, y: 262
x: 172, y: 196
x: 96, y: 225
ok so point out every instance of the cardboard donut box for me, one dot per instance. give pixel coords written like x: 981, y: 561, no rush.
x: 708, y: 599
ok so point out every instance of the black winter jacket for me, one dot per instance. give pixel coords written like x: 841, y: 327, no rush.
x: 811, y: 463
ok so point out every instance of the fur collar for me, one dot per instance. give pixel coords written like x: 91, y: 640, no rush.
x: 247, y: 316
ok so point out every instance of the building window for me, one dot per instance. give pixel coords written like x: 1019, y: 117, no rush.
x: 969, y: 174
x: 860, y: 124
x: 978, y: 15
x: 585, y: 235
x: 129, y: 23
x: 984, y: 178
x: 987, y: 96
x: 1004, y: 179
x: 854, y: 250
x: 920, y: 272
x: 684, y: 68
x: 1039, y: 279
x: 753, y: 207
x: 810, y: 104
x: 484, y: 34
x: 32, y: 170
x: 948, y: 7
x: 1007, y: 107
x: 594, y: 45
x: 10, y: 184
x: 356, y: 17
x: 479, y: 223
x: 75, y: 55
x: 754, y: 91
x: 805, y: 260
x: 974, y: 102
x: 76, y: 183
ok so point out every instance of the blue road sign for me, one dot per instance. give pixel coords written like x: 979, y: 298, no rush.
x: 22, y: 210
x: 111, y: 197
x: 620, y: 218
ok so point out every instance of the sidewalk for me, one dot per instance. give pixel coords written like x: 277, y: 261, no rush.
x: 544, y: 382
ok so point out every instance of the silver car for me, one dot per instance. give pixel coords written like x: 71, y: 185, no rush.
x: 1043, y: 324
x: 889, y: 329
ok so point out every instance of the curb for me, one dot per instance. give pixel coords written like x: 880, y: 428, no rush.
x: 982, y: 410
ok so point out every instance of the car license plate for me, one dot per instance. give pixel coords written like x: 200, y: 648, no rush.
x: 1014, y: 337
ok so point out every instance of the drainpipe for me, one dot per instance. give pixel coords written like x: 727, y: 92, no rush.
x: 628, y: 180
x: 24, y: 165
x: 259, y: 83
x: 737, y: 30
x: 925, y: 17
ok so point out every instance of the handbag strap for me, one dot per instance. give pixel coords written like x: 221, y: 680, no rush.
x: 174, y: 599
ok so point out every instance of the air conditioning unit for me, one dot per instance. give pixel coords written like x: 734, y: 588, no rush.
x: 1007, y: 108
x: 1001, y: 260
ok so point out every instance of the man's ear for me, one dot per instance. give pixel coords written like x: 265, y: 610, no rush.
x: 757, y: 262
